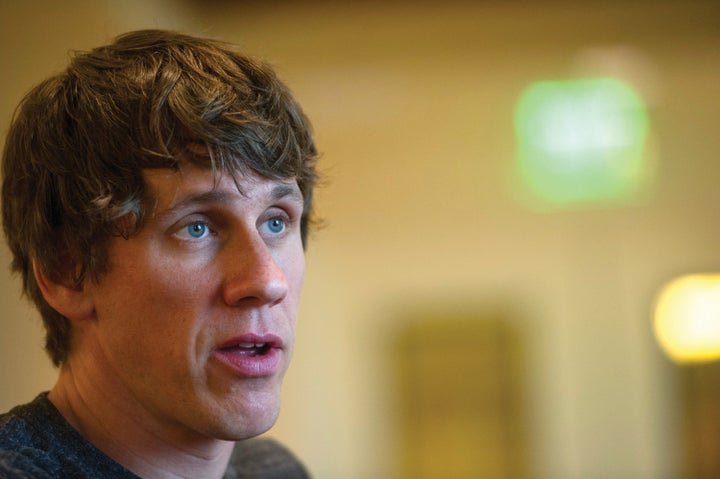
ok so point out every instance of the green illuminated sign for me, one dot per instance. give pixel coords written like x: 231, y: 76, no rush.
x: 581, y: 140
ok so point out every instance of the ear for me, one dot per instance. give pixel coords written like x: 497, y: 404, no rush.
x: 73, y: 303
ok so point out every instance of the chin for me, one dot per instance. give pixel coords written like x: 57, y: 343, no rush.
x: 250, y: 420
x: 244, y: 431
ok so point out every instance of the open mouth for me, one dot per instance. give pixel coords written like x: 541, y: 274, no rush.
x: 252, y: 355
x: 248, y: 349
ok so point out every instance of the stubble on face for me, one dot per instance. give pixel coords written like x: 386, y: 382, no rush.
x: 210, y: 266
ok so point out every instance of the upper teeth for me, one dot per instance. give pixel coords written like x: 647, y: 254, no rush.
x: 251, y: 345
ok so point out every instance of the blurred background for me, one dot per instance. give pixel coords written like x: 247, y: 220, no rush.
x: 509, y: 186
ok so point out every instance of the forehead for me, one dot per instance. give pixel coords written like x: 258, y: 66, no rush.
x: 169, y: 187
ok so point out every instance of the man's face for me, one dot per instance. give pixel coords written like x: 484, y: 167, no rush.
x: 195, y: 322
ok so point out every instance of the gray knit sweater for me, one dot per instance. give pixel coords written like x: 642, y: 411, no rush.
x: 36, y: 442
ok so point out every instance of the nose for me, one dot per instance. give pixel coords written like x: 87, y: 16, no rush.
x: 252, y: 276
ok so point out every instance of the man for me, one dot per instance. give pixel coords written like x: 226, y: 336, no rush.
x: 156, y: 199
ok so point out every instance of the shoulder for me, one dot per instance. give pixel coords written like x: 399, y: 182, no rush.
x: 25, y: 426
x: 22, y: 453
x: 26, y: 464
x: 37, y: 442
x: 264, y: 458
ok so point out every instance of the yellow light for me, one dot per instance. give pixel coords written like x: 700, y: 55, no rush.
x: 687, y: 318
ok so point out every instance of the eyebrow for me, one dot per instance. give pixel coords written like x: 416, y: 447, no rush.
x: 279, y: 191
x: 283, y: 190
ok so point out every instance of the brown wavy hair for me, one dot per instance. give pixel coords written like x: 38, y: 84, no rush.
x: 79, y: 141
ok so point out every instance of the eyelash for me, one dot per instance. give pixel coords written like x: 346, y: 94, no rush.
x: 186, y: 234
x: 187, y: 228
x: 284, y: 223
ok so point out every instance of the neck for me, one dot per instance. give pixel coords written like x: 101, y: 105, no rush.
x: 121, y: 428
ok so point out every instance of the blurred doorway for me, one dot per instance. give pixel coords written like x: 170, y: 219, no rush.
x: 460, y: 379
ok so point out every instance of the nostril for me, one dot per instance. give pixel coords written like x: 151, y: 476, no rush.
x: 255, y: 289
x: 252, y: 275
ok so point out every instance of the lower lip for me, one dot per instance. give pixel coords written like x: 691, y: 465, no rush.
x: 251, y: 366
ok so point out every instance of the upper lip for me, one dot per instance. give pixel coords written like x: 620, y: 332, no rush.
x: 250, y: 339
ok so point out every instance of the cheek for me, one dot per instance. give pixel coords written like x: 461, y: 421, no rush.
x: 158, y: 279
x: 151, y: 304
x: 295, y: 275
x: 295, y: 279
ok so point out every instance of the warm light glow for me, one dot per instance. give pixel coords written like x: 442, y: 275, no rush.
x: 581, y: 140
x: 687, y: 318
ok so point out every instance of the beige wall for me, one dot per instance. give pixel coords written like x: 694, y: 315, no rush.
x: 413, y: 105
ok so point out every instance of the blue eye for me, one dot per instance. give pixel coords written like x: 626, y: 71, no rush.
x: 197, y: 230
x: 275, y: 225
